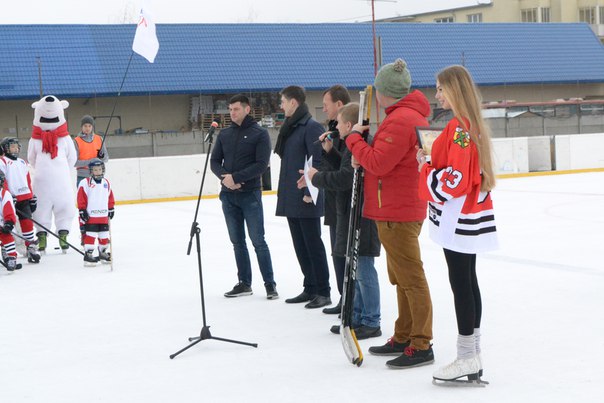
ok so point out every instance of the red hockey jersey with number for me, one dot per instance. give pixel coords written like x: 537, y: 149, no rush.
x: 17, y: 178
x: 97, y: 199
x: 461, y: 215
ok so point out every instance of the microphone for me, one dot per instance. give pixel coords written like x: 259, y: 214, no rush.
x: 213, y: 126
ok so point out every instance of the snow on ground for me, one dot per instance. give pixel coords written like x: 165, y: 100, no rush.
x: 75, y: 334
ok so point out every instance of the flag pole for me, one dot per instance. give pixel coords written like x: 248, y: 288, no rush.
x: 119, y: 92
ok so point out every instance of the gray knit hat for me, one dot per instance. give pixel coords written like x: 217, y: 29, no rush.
x: 393, y: 79
x: 87, y: 119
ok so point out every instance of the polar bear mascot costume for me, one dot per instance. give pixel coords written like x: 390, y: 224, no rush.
x: 52, y: 154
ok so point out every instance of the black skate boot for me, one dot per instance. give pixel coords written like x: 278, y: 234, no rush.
x: 11, y: 263
x: 32, y: 252
x: 89, y: 260
x: 104, y: 256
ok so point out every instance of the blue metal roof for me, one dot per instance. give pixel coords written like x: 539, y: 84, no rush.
x: 90, y: 60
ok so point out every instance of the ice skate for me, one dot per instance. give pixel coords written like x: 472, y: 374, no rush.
x: 33, y: 256
x: 11, y: 264
x: 104, y: 256
x: 89, y: 260
x: 452, y: 374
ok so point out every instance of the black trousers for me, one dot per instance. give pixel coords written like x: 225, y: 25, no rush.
x: 339, y: 262
x: 466, y: 293
x: 310, y: 251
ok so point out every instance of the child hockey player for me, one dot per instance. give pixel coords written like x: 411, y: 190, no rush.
x: 95, y: 202
x: 8, y: 219
x: 18, y: 183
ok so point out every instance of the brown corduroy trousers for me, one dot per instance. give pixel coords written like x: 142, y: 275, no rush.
x: 406, y: 272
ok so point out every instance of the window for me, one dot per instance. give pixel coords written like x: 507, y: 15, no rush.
x: 601, y: 15
x: 475, y: 17
x: 545, y: 14
x: 528, y: 15
x: 444, y: 19
x: 588, y: 15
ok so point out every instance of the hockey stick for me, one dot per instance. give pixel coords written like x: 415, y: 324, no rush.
x: 13, y: 233
x: 49, y: 231
x: 110, y: 245
x: 349, y: 340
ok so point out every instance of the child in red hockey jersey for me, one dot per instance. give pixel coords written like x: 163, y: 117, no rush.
x: 7, y: 223
x: 18, y: 183
x: 96, y: 205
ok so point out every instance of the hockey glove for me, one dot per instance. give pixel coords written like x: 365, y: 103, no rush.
x: 33, y: 204
x: 84, y: 215
x: 111, y: 213
x: 7, y: 228
x: 100, y: 154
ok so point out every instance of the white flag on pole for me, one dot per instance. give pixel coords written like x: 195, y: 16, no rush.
x: 145, y: 40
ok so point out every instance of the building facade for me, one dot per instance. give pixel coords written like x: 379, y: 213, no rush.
x: 588, y: 11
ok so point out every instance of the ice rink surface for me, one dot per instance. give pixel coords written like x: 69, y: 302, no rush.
x: 75, y: 334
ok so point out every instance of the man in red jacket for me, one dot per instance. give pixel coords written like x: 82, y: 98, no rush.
x: 391, y: 199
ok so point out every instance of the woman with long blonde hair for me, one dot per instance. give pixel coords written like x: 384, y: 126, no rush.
x: 457, y: 183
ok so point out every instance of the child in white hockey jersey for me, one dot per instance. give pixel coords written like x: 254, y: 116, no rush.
x: 18, y: 183
x: 96, y: 205
x: 7, y: 223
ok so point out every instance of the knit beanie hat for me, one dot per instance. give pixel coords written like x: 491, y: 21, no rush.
x: 393, y: 79
x: 87, y: 119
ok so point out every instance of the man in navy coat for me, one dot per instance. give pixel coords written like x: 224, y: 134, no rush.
x: 297, y: 141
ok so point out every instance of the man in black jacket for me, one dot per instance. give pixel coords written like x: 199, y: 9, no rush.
x: 366, y: 305
x: 334, y: 98
x: 240, y: 157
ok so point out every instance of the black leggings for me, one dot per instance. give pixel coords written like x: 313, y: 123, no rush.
x: 462, y: 277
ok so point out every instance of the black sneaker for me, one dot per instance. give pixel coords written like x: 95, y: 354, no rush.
x: 365, y: 332
x: 412, y: 357
x: 239, y: 290
x: 271, y: 291
x: 335, y: 329
x: 390, y: 348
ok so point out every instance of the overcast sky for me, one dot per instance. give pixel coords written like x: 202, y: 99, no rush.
x: 212, y: 11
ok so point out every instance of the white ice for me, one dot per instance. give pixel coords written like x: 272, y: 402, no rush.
x: 75, y: 334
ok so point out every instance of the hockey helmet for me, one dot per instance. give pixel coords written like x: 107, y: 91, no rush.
x: 5, y: 145
x: 96, y: 163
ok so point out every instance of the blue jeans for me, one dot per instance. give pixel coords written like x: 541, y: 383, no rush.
x: 366, y: 306
x: 240, y: 208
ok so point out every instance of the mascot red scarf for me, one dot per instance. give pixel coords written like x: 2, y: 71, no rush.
x: 49, y: 138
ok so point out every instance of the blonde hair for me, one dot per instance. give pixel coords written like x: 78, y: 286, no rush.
x: 465, y: 100
x: 350, y: 112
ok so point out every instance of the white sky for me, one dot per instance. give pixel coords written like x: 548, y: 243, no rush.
x: 204, y: 11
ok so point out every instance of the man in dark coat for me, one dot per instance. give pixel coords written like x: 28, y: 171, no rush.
x: 239, y: 159
x: 334, y: 98
x: 366, y: 304
x: 297, y: 141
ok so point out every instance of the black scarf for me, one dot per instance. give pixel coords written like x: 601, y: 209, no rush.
x: 288, y: 127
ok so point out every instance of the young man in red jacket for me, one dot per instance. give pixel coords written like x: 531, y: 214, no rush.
x: 391, y: 199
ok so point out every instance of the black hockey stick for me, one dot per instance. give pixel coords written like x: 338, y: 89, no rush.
x: 13, y: 233
x: 50, y: 232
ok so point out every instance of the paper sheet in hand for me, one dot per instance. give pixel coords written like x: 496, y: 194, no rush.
x: 314, y: 192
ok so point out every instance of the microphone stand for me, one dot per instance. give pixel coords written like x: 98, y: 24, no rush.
x: 195, y: 230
